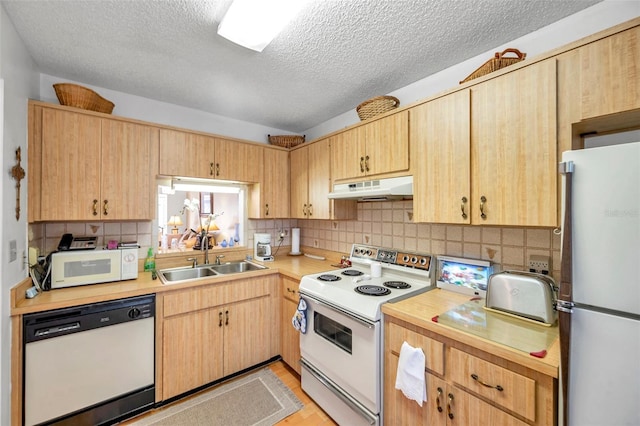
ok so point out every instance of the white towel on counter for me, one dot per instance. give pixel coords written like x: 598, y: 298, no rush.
x: 410, y: 375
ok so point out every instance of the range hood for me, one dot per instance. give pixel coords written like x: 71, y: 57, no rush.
x: 374, y: 190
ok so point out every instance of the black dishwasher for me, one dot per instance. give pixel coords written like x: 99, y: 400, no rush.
x: 89, y: 365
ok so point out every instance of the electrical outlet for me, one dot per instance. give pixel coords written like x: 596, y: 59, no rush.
x: 281, y: 235
x: 13, y: 251
x: 540, y: 264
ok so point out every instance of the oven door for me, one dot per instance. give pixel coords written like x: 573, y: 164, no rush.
x: 345, y: 349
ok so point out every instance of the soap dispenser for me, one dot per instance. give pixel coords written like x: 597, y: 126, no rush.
x: 150, y: 261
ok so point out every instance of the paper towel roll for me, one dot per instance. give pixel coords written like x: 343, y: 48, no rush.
x: 295, y: 240
x: 376, y: 270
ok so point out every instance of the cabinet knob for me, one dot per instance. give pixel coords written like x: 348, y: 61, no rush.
x: 105, y: 208
x: 483, y: 200
x: 95, y: 207
x: 462, y: 203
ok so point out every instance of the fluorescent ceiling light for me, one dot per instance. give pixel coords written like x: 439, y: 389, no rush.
x: 254, y: 23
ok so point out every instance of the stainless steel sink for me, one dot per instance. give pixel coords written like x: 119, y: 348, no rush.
x: 184, y: 274
x: 236, y: 267
x: 188, y: 273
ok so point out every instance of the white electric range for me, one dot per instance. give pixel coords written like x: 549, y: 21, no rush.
x: 342, y: 346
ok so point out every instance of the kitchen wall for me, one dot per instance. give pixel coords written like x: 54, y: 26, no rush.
x: 19, y: 74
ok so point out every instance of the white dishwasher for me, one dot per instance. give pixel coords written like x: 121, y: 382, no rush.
x: 90, y: 364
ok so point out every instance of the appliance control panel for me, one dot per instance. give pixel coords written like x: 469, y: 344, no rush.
x: 367, y: 254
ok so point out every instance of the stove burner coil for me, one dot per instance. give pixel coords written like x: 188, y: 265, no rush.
x: 329, y: 277
x: 352, y: 273
x: 372, y: 290
x: 397, y: 284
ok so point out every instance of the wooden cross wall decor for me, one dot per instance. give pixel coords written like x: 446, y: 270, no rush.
x: 17, y: 172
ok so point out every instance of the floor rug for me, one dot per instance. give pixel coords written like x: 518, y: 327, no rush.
x: 259, y: 398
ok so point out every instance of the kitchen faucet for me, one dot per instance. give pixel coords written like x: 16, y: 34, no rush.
x: 218, y: 257
x: 204, y: 243
x: 194, y: 260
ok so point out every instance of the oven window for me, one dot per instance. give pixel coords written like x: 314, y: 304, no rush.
x: 333, y: 331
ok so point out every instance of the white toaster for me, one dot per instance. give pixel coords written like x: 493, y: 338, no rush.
x: 524, y: 294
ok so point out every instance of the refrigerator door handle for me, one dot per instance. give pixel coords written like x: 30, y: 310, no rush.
x: 564, y: 306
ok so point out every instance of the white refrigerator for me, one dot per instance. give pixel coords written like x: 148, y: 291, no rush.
x: 599, y: 298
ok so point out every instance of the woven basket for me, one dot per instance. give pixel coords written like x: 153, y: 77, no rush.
x: 286, y: 141
x: 376, y: 106
x: 81, y: 97
x: 496, y: 63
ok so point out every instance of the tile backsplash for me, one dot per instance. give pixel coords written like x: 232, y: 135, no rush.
x: 387, y: 224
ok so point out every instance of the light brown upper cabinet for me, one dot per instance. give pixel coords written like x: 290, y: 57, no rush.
x: 270, y: 198
x: 441, y: 148
x: 375, y: 148
x: 84, y: 167
x: 310, y: 184
x: 487, y: 155
x: 513, y: 148
x: 194, y: 155
x: 610, y: 74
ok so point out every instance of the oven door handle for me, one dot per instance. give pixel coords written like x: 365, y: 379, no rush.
x: 355, y: 406
x: 334, y: 308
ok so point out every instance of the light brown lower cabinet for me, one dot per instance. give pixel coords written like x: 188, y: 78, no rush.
x: 290, y: 342
x: 212, y: 331
x: 502, y: 393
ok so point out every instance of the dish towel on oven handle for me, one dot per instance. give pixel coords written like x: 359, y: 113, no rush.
x: 299, y: 319
x: 410, y: 375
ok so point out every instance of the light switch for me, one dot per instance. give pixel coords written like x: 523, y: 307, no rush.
x: 13, y: 251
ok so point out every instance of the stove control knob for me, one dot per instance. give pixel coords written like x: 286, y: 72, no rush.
x: 405, y: 258
x: 414, y: 259
x: 423, y: 261
x: 369, y: 252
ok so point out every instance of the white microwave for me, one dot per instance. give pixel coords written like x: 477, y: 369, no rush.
x: 80, y: 267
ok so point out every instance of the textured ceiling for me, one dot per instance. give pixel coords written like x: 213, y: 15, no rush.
x: 336, y: 53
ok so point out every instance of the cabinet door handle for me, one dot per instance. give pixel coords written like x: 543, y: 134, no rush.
x: 304, y: 210
x: 366, y: 163
x: 462, y: 203
x: 449, y: 409
x: 362, y: 164
x: 226, y: 319
x: 210, y: 169
x: 310, y: 209
x: 220, y: 319
x: 105, y: 207
x: 477, y: 379
x: 217, y: 169
x: 266, y: 209
x: 438, y: 400
x: 95, y: 207
x: 483, y: 200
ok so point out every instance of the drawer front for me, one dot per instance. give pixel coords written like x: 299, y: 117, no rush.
x: 506, y: 388
x: 290, y: 289
x: 433, y: 349
x: 208, y: 296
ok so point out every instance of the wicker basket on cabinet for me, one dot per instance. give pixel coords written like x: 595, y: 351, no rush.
x: 82, y: 97
x: 497, y: 62
x: 376, y: 106
x: 286, y: 141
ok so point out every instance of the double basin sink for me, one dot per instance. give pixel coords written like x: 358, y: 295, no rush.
x: 179, y: 275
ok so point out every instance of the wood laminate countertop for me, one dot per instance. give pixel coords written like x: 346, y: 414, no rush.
x: 291, y: 266
x: 421, y: 309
